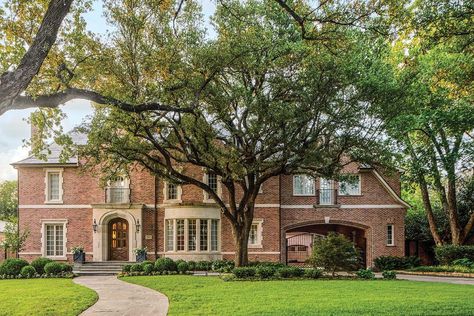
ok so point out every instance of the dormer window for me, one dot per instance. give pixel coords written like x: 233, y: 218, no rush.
x: 118, y: 190
x: 54, y: 186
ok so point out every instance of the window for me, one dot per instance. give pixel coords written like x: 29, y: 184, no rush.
x: 172, y: 192
x: 214, y: 237
x: 325, y: 192
x: 303, y: 185
x: 118, y: 190
x: 54, y: 181
x: 212, y: 180
x: 203, y: 235
x: 390, y: 235
x: 351, y: 186
x: 53, y: 240
x: 255, y: 234
x: 192, y: 235
x: 169, y: 235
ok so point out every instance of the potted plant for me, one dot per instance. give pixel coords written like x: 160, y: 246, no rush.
x: 140, y: 253
x: 78, y: 254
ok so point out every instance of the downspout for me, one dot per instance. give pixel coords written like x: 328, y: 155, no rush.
x: 17, y: 210
x: 155, y: 215
x: 279, y: 223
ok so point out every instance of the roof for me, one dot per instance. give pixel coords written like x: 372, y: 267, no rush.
x: 53, y: 153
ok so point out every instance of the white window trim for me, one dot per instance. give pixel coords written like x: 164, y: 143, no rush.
x: 259, y: 243
x: 392, y: 242
x: 207, y: 198
x: 198, y: 236
x: 178, y: 195
x: 45, y: 222
x: 359, y: 192
x: 294, y: 185
x: 46, y: 183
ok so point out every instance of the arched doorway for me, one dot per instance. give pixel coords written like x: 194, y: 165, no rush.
x: 118, y: 239
x: 299, y: 240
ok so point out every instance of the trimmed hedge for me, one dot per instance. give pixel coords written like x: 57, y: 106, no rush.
x: 290, y: 272
x: 183, y: 267
x: 265, y: 272
x: 389, y: 275
x: 53, y: 268
x: 244, y: 272
x: 165, y: 264
x: 137, y: 267
x: 313, y: 273
x: 39, y: 264
x: 366, y: 274
x: 28, y: 271
x: 395, y: 263
x: 148, y: 268
x: 12, y: 266
x: 448, y: 253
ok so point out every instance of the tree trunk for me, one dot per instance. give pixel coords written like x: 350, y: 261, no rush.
x: 453, y: 212
x: 428, y: 210
x: 241, y: 237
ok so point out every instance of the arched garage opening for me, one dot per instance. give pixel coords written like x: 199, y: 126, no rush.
x: 299, y: 240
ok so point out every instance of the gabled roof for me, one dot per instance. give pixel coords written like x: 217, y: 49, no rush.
x: 53, y: 153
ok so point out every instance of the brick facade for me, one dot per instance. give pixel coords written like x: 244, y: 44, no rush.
x: 277, y: 209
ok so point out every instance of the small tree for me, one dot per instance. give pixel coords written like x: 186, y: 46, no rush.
x: 334, y: 253
x: 14, y: 239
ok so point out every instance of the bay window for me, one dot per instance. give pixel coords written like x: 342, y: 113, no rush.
x: 193, y: 235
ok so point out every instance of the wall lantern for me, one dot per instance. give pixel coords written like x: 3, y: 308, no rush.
x: 138, y: 225
x: 94, y: 226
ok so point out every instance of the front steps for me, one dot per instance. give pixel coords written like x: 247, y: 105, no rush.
x: 99, y: 268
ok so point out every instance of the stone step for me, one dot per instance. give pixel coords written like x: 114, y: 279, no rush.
x: 94, y: 273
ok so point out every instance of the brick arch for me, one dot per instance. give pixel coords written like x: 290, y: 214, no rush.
x: 366, y: 228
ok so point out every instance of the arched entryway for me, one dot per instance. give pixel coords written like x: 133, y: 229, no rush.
x: 299, y: 239
x: 118, y: 239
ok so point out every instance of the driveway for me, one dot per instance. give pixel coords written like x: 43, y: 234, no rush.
x: 121, y: 298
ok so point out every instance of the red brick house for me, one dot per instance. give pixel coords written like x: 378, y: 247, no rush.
x: 63, y: 207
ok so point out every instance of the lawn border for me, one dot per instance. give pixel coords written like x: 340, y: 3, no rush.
x: 439, y: 274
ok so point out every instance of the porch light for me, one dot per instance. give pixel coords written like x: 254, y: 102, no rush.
x: 138, y: 225
x: 94, y: 226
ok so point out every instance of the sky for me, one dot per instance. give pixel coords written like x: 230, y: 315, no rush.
x: 13, y: 126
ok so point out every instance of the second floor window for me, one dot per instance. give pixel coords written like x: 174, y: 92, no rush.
x: 53, y: 181
x: 303, y: 185
x: 118, y: 190
x: 350, y: 186
x: 212, y: 181
x: 172, y: 191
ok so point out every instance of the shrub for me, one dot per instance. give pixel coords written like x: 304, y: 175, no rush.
x: 136, y: 267
x: 265, y: 272
x: 39, y: 264
x: 165, y: 264
x: 465, y: 262
x: 28, y: 271
x: 313, y: 273
x: 126, y: 268
x: 66, y: 268
x: 53, y: 268
x: 144, y: 263
x: 148, y: 268
x: 244, y: 272
x: 290, y: 272
x: 389, y: 275
x: 448, y: 253
x: 203, y: 265
x: 367, y: 274
x: 192, y: 265
x: 223, y: 266
x: 276, y: 265
x: 334, y: 253
x: 12, y: 266
x: 183, y: 267
x: 395, y: 263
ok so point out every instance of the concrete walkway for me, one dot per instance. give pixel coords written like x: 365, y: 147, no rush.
x: 427, y: 278
x: 121, y: 298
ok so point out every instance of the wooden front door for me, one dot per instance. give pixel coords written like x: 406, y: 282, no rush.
x: 118, y: 239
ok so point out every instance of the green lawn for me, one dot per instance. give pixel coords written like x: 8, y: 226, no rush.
x: 44, y: 297
x: 194, y: 295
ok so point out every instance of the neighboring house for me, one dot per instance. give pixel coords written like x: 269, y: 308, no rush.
x: 62, y: 208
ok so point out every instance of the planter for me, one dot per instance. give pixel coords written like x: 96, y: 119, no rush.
x: 79, y: 257
x: 141, y: 257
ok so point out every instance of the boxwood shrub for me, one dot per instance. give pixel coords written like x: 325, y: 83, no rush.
x: 165, y: 264
x: 28, y: 271
x: 265, y: 272
x: 53, y: 268
x: 367, y: 274
x: 136, y: 267
x: 313, y: 273
x: 148, y: 268
x: 126, y: 268
x: 223, y: 266
x: 183, y: 267
x: 244, y: 272
x: 389, y: 275
x: 290, y: 272
x: 39, y: 264
x: 12, y: 266
x: 448, y: 253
